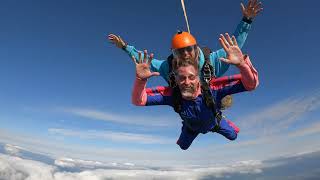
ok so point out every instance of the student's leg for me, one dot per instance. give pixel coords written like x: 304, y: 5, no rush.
x: 186, y: 137
x: 228, y: 129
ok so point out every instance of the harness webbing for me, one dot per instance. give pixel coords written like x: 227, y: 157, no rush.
x: 207, y: 95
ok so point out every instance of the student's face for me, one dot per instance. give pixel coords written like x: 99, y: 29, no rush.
x: 186, y: 52
x: 188, y: 81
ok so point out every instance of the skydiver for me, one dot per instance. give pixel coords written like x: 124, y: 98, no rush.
x: 199, y: 104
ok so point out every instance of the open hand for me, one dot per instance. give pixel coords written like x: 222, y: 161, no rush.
x: 143, y: 66
x: 117, y: 40
x: 252, y: 10
x: 234, y: 53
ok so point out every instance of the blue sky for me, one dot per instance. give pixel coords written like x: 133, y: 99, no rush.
x: 65, y: 90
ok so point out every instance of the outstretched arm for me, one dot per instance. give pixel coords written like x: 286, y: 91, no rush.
x: 249, y: 12
x: 155, y: 66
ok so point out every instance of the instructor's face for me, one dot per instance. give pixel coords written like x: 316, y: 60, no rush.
x: 188, y: 81
x: 186, y: 52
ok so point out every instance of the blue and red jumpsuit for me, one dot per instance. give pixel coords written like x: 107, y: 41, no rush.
x: 197, y: 117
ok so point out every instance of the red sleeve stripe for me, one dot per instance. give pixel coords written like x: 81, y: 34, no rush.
x: 224, y: 81
x: 165, y: 91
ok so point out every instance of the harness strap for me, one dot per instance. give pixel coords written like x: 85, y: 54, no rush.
x: 177, y: 99
x: 217, y: 126
x: 207, y: 95
x: 171, y: 79
x: 207, y: 70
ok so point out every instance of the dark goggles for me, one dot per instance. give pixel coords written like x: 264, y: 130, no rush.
x: 180, y: 51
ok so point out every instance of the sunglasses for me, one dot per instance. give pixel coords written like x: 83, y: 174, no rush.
x: 179, y: 52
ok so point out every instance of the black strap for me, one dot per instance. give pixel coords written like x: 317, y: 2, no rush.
x: 208, y: 73
x: 218, y: 117
x: 176, y: 99
x: 207, y: 95
x: 247, y: 20
x: 171, y: 78
x: 207, y: 70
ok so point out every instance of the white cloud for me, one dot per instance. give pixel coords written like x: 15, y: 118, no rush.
x: 21, y: 169
x: 309, y: 130
x: 68, y: 162
x: 18, y: 169
x: 87, y: 164
x: 124, y: 119
x: 57, y: 148
x: 279, y: 117
x: 113, y: 136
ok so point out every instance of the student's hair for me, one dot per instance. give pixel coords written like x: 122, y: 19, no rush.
x: 177, y: 63
x: 226, y: 102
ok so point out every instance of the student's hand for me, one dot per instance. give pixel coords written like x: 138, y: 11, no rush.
x: 230, y: 45
x: 254, y: 7
x: 143, y: 66
x: 117, y: 40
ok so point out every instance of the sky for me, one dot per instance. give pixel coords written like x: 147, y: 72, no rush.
x: 65, y: 91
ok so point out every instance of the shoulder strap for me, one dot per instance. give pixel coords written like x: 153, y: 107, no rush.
x: 171, y: 78
x: 208, y: 71
x: 176, y: 99
x: 169, y: 59
x: 176, y: 95
x: 207, y: 95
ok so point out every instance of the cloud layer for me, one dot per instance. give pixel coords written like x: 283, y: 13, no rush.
x: 17, y: 168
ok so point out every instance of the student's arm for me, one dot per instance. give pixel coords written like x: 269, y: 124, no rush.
x: 142, y: 96
x: 249, y: 75
x: 139, y: 95
x: 247, y: 80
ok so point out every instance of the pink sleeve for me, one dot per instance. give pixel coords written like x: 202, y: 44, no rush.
x: 249, y: 74
x: 139, y: 95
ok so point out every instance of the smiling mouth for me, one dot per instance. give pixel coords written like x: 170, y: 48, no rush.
x: 188, y: 89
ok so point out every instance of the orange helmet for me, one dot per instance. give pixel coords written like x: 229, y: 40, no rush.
x: 182, y: 39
